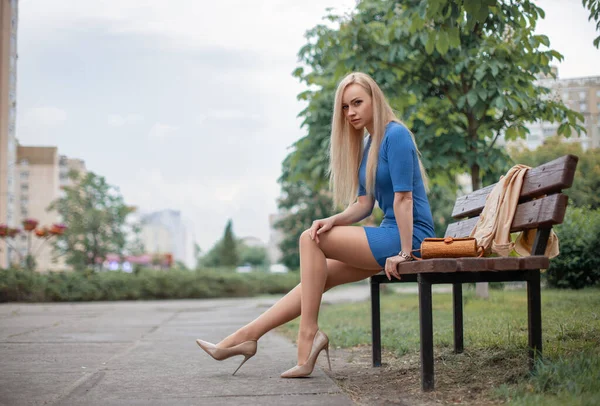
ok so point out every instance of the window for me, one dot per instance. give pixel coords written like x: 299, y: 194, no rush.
x: 24, y: 187
x: 582, y: 95
x: 582, y: 106
x: 565, y: 96
x: 24, y: 212
x: 548, y: 132
x: 24, y: 162
x: 597, y: 93
x: 24, y: 175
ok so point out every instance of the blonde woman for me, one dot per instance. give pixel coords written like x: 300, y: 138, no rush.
x: 382, y: 166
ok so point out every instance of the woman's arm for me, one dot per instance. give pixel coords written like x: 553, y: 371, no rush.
x: 403, y: 211
x: 354, y: 213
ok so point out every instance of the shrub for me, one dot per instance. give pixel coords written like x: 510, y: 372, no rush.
x: 147, y: 284
x: 578, y: 264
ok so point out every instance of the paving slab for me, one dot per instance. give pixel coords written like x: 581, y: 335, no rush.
x: 144, y: 352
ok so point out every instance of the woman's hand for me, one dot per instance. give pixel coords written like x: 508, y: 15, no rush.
x: 321, y: 226
x: 391, y: 266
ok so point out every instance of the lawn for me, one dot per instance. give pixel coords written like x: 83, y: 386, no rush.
x: 495, y: 341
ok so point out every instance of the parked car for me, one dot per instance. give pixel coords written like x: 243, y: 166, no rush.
x: 244, y: 268
x: 278, y: 268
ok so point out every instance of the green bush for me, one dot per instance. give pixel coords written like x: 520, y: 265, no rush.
x: 27, y: 286
x: 578, y: 264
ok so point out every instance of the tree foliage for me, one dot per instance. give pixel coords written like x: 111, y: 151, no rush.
x: 252, y: 255
x: 593, y: 6
x: 578, y: 264
x: 461, y: 74
x: 228, y: 247
x: 95, y: 215
x: 584, y: 192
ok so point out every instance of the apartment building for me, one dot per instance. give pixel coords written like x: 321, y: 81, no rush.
x: 37, y: 186
x: 8, y: 114
x: 579, y: 94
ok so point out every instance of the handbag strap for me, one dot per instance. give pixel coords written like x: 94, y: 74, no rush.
x: 414, y: 257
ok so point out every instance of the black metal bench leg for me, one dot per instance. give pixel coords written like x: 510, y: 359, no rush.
x: 534, y: 316
x: 375, y: 323
x: 426, y: 321
x: 458, y: 318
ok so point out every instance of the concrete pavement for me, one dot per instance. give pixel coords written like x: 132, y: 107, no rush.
x: 144, y: 353
x: 130, y: 353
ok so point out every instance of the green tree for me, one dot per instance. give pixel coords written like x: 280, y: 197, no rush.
x: 462, y: 74
x: 255, y: 256
x: 304, y: 197
x: 593, y: 6
x: 584, y: 192
x: 95, y: 215
x: 228, y: 247
x: 197, y: 255
x: 212, y: 258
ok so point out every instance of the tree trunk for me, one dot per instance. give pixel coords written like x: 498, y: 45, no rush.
x: 482, y: 288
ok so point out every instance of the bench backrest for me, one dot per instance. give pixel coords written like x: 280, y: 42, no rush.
x: 545, y: 180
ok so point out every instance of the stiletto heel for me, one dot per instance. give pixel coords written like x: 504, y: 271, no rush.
x: 320, y: 343
x: 247, y: 349
x: 327, y: 352
x: 246, y: 358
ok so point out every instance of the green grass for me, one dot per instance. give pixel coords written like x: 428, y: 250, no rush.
x: 495, y: 335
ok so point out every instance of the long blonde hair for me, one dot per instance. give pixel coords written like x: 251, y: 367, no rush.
x: 346, y: 148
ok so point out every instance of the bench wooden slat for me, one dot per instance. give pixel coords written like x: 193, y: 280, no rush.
x: 446, y: 265
x: 545, y: 179
x: 461, y: 228
x: 428, y: 266
x: 502, y: 263
x: 542, y: 212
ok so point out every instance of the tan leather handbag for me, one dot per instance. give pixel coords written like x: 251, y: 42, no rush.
x: 448, y: 247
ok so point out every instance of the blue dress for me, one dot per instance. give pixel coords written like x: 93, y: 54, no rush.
x: 397, y: 171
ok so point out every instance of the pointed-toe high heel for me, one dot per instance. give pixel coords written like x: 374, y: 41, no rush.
x: 247, y: 349
x: 320, y: 343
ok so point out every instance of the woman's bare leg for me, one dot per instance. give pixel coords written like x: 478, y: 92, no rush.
x: 346, y: 244
x: 289, y: 307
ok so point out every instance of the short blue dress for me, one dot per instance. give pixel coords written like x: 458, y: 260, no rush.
x: 397, y: 171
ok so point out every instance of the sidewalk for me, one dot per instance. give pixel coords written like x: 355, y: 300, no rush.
x: 144, y: 353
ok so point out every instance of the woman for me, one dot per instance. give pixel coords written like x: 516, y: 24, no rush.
x: 333, y: 252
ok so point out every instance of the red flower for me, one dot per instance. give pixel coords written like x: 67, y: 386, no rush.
x: 41, y: 232
x: 30, y: 224
x: 12, y: 232
x: 3, y: 230
x: 57, y: 229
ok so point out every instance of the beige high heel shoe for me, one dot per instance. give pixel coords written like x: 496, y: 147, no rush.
x: 247, y: 349
x: 320, y: 343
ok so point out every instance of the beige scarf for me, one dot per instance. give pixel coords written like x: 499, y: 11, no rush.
x: 492, y: 231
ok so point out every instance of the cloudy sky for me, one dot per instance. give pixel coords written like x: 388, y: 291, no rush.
x: 190, y: 104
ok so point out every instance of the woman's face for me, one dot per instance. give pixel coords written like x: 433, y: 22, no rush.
x: 357, y: 107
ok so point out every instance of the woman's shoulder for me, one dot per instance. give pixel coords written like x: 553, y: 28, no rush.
x: 396, y: 132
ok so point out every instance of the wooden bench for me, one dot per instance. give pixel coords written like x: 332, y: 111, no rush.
x: 541, y: 205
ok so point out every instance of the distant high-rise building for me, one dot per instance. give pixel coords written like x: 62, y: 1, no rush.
x: 579, y: 94
x: 8, y: 114
x: 66, y: 165
x: 37, y: 187
x: 165, y: 232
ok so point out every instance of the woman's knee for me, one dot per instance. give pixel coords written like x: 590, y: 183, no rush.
x: 305, y: 237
